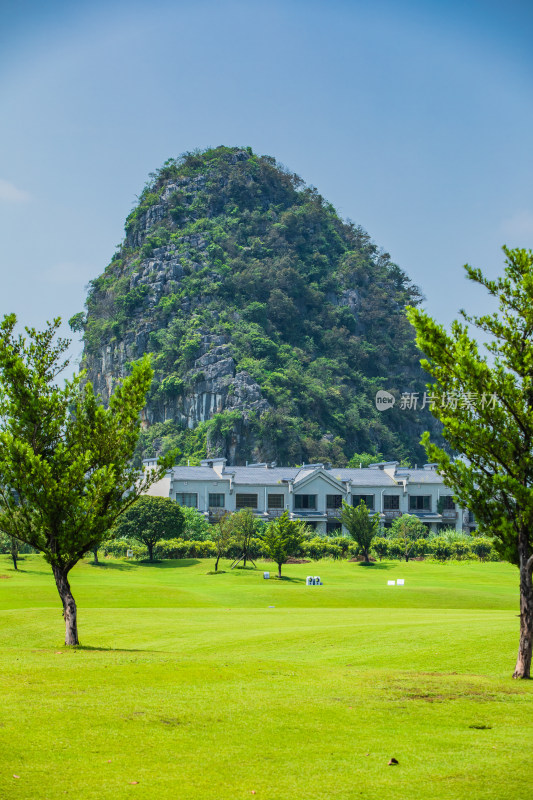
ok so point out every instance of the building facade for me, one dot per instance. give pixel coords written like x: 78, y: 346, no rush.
x: 313, y: 493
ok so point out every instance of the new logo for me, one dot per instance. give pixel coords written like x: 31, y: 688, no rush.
x: 384, y: 400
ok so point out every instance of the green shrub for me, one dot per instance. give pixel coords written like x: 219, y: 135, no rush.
x: 422, y: 547
x: 396, y: 548
x: 205, y: 549
x: 482, y: 547
x: 314, y: 548
x: 196, y: 527
x: 334, y: 551
x: 119, y: 547
x: 172, y: 548
x: 461, y: 550
x: 343, y: 543
x: 321, y: 547
x: 440, y: 548
x: 257, y: 548
x: 184, y: 548
x: 380, y: 547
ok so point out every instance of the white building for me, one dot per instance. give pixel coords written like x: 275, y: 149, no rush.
x: 313, y: 493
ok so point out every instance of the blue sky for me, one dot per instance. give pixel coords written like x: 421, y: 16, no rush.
x: 413, y: 118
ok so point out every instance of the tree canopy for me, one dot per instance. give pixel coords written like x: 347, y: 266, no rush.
x: 150, y: 519
x: 361, y: 526
x: 221, y: 536
x: 282, y: 538
x: 408, y: 530
x: 244, y: 527
x: 485, y: 403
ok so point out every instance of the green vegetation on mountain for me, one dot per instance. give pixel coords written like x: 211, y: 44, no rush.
x: 229, y: 254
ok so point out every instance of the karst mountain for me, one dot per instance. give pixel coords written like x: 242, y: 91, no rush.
x: 272, y: 322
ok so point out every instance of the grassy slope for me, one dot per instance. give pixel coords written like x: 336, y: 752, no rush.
x: 191, y: 685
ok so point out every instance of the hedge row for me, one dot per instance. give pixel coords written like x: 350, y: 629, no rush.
x: 317, y: 548
x: 438, y: 547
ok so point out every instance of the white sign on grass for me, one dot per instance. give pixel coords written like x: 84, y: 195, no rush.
x: 400, y: 582
x: 391, y: 583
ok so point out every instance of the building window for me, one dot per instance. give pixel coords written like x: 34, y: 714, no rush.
x: 447, y: 503
x: 246, y: 501
x: 419, y: 502
x: 334, y: 501
x: 187, y: 499
x: 333, y: 528
x: 367, y: 499
x: 305, y: 501
x: 275, y: 501
x: 391, y: 502
x: 216, y: 501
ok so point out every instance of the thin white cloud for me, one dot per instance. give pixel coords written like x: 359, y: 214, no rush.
x: 9, y: 193
x: 521, y: 224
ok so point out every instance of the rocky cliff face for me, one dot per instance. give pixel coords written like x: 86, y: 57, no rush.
x: 272, y: 322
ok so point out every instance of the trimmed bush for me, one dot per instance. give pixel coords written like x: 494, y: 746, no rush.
x: 440, y: 548
x: 461, y: 550
x: 483, y: 548
x: 119, y: 547
x: 380, y: 547
x: 185, y: 548
x: 343, y: 543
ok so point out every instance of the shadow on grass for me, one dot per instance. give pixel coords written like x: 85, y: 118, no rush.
x: 376, y: 565
x: 171, y: 563
x: 24, y: 571
x: 127, y: 565
x: 89, y: 648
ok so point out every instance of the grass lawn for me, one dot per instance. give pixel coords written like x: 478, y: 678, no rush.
x: 191, y: 685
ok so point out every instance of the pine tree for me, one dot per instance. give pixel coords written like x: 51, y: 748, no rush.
x: 485, y: 404
x: 65, y: 460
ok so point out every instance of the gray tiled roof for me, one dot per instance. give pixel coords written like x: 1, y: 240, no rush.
x: 364, y: 477
x: 194, y: 474
x: 262, y: 476
x: 422, y: 476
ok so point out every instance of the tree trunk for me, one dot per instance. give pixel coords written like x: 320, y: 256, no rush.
x: 69, y: 606
x: 150, y: 551
x: 95, y: 552
x: 279, y: 570
x: 367, y: 560
x: 216, y: 563
x: 14, y: 553
x: 523, y: 662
